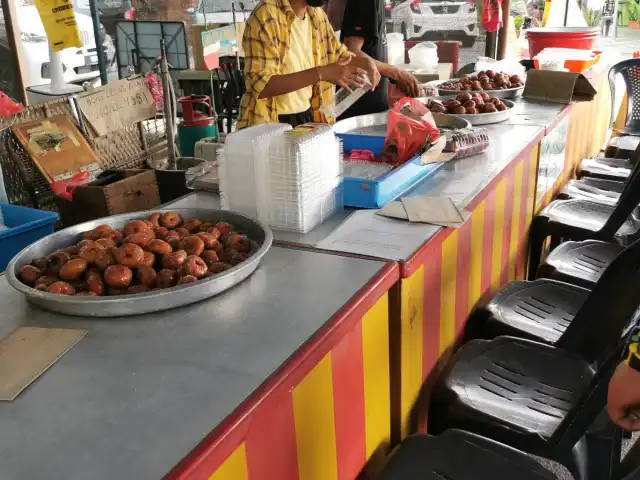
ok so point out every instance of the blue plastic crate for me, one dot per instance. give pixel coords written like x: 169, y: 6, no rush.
x: 362, y: 193
x: 26, y: 225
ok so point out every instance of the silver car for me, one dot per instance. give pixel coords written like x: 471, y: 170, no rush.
x: 436, y: 19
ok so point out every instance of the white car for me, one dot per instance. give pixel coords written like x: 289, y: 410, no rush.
x: 79, y: 64
x: 437, y: 19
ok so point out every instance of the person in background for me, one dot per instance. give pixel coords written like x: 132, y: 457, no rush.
x: 292, y: 61
x: 335, y: 11
x: 623, y: 402
x: 364, y: 33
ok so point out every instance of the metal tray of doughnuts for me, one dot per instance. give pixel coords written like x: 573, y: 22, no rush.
x: 125, y: 305
x: 508, y: 93
x: 482, y: 118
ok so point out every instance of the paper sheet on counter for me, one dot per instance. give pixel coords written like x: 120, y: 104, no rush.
x: 365, y: 233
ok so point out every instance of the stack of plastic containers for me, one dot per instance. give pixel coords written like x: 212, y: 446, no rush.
x: 295, y: 174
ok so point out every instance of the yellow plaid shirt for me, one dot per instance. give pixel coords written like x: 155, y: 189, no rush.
x: 266, y: 44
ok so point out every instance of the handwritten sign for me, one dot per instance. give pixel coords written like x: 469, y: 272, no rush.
x: 117, y: 105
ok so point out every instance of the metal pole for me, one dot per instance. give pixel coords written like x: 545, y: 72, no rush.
x: 102, y: 61
x: 503, y: 33
x: 490, y: 46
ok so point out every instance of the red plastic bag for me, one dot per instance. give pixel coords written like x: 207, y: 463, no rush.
x: 410, y: 130
x: 157, y: 92
x: 8, y: 108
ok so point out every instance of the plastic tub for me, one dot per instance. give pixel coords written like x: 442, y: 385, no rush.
x: 26, y: 225
x: 581, y: 38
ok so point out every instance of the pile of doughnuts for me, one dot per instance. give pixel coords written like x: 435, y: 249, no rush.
x: 467, y: 104
x: 161, y: 252
x: 483, y: 81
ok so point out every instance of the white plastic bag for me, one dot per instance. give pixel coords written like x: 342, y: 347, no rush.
x: 424, y: 55
x: 508, y: 65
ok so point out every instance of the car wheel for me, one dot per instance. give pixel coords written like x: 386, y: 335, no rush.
x: 8, y: 74
x: 469, y: 42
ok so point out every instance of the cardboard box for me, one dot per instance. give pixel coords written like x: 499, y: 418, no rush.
x: 558, y: 87
x: 114, y: 192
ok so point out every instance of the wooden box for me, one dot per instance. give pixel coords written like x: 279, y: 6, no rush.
x: 112, y: 193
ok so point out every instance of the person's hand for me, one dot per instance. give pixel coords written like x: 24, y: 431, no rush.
x: 623, y: 402
x: 344, y: 73
x: 371, y: 68
x: 407, y: 83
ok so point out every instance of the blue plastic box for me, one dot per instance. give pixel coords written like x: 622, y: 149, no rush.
x: 362, y: 193
x: 26, y: 225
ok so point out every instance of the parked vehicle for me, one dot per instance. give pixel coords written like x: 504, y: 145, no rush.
x: 79, y: 64
x: 437, y: 20
x: 110, y: 11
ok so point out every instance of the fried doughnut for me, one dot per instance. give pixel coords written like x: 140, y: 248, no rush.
x: 61, y: 288
x: 195, y: 266
x: 224, y: 227
x: 239, y: 258
x: 170, y: 220
x: 137, y: 289
x: 192, y: 244
x: 166, y: 278
x: 205, y: 226
x: 85, y: 243
x: 46, y: 281
x: 173, y: 239
x: 42, y: 287
x: 183, y: 232
x: 105, y: 258
x: 90, y: 252
x: 227, y: 255
x: 174, y: 260
x: 149, y: 260
x: 193, y: 225
x: 72, y: 250
x: 129, y: 255
x: 187, y: 279
x: 147, y: 276
x: 136, y: 226
x: 40, y: 263
x: 159, y: 247
x: 210, y: 241
x: 210, y: 257
x: 56, y: 260
x: 73, y: 269
x: 219, y: 267
x: 217, y: 234
x: 107, y: 242
x: 118, y: 276
x: 94, y: 281
x: 29, y: 274
x: 154, y: 218
x: 161, y: 233
x: 239, y: 243
x: 142, y: 239
x: 115, y: 235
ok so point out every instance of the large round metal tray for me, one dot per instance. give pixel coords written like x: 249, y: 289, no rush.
x: 482, y: 118
x: 154, y: 301
x: 375, y: 124
x: 508, y: 93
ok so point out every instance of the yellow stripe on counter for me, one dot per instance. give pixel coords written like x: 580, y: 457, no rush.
x: 234, y: 467
x: 475, y: 259
x: 448, y: 291
x: 498, y: 232
x: 411, y: 343
x: 315, y: 424
x: 377, y: 388
x: 515, y: 220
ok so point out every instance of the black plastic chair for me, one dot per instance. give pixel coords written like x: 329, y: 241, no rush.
x: 542, y: 400
x: 578, y: 219
x: 605, y: 168
x: 596, y: 190
x: 459, y: 455
x: 579, y: 263
x: 630, y: 72
x: 546, y: 310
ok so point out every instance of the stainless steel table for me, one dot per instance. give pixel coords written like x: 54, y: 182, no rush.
x: 132, y: 398
x: 461, y: 180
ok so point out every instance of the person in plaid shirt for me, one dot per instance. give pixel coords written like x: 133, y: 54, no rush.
x: 292, y: 60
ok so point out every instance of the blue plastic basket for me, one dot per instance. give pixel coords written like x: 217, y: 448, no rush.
x: 363, y: 193
x: 26, y: 225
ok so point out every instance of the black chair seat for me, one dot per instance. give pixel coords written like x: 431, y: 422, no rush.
x: 605, y: 168
x: 580, y: 263
x: 585, y: 215
x: 515, y: 391
x: 459, y: 455
x: 539, y: 310
x: 622, y: 147
x: 596, y: 190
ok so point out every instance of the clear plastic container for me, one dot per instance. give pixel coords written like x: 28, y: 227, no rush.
x: 467, y: 142
x: 343, y: 99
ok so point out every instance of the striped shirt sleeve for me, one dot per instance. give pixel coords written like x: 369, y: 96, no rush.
x: 261, y: 55
x: 633, y: 351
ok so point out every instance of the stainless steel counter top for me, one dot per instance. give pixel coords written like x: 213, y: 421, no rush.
x: 134, y: 396
x: 461, y: 180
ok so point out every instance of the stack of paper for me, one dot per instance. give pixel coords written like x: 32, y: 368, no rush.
x: 433, y: 210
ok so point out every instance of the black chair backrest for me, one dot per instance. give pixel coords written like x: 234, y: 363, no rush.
x: 630, y: 72
x: 605, y: 315
x: 628, y: 201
